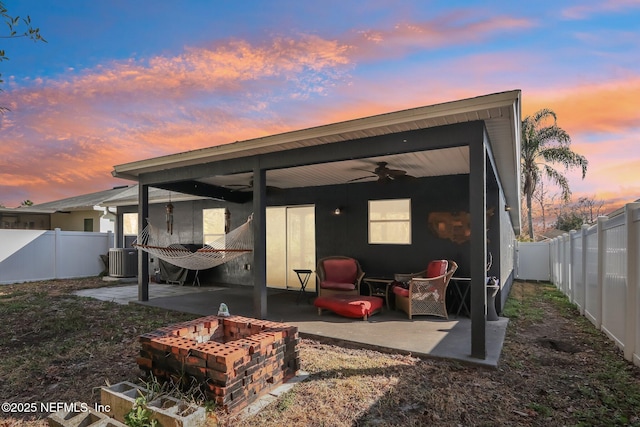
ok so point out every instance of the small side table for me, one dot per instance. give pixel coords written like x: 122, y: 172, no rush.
x: 379, y: 287
x: 462, y: 285
x: 303, y: 277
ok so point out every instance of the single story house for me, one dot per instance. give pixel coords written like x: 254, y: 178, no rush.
x: 78, y: 213
x: 394, y: 191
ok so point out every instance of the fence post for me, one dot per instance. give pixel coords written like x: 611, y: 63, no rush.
x: 566, y: 262
x: 632, y: 281
x: 572, y: 255
x: 110, y: 240
x: 552, y: 262
x: 600, y: 267
x: 583, y: 267
x: 57, y: 252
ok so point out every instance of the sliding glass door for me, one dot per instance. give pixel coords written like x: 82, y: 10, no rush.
x: 291, y: 244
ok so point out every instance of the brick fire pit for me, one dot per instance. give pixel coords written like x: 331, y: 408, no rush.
x: 237, y: 359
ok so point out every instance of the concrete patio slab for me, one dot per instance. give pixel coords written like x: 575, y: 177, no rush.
x: 423, y: 336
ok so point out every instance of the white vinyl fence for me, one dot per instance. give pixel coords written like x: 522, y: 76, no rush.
x: 597, y: 268
x: 532, y: 261
x: 29, y: 255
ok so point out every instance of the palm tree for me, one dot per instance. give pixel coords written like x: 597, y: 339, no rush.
x: 544, y: 143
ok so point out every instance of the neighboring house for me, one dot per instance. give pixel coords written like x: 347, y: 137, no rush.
x: 87, y: 212
x: 434, y: 182
x: 25, y: 218
x: 79, y: 213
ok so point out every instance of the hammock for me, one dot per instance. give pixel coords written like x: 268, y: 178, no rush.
x: 157, y: 242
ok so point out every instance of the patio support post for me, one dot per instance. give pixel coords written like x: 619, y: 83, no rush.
x: 259, y: 243
x: 143, y: 257
x: 478, y: 256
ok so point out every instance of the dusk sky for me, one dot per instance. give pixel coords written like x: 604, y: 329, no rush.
x: 120, y: 81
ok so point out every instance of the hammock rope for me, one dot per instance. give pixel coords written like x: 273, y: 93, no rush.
x: 232, y: 245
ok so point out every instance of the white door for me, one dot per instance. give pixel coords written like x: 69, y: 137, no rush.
x: 291, y: 244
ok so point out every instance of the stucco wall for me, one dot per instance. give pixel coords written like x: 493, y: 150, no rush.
x: 74, y: 221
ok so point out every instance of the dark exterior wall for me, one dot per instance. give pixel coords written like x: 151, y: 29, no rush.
x: 346, y: 234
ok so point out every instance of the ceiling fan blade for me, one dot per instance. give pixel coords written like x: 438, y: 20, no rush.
x: 247, y: 187
x: 363, y: 177
x: 403, y: 177
x: 396, y: 172
x: 240, y: 187
x: 364, y: 170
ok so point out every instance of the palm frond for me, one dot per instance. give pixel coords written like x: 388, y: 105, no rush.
x: 560, y: 180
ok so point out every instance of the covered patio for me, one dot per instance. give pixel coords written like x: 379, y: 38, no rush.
x: 460, y: 158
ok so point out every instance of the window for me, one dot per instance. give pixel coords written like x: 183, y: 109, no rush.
x: 88, y: 224
x: 390, y: 222
x: 130, y: 224
x: 214, y: 225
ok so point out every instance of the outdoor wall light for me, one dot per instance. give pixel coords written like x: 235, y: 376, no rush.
x: 337, y: 211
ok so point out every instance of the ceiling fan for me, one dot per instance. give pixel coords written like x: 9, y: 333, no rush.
x: 385, y: 174
x: 248, y: 187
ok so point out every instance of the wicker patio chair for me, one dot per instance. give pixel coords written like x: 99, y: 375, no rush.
x: 426, y: 295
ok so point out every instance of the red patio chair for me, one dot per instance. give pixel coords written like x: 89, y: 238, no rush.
x: 339, y: 275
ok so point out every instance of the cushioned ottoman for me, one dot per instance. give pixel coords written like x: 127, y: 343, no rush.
x: 356, y: 306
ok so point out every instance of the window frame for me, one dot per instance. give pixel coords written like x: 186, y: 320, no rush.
x: 126, y: 215
x: 216, y: 236
x: 371, y: 222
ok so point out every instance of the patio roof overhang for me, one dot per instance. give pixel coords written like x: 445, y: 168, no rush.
x: 500, y: 113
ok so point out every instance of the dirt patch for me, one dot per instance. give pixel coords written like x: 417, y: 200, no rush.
x: 558, y: 345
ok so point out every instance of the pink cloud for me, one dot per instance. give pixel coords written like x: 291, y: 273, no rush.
x: 459, y: 27
x: 70, y: 132
x: 586, y: 9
